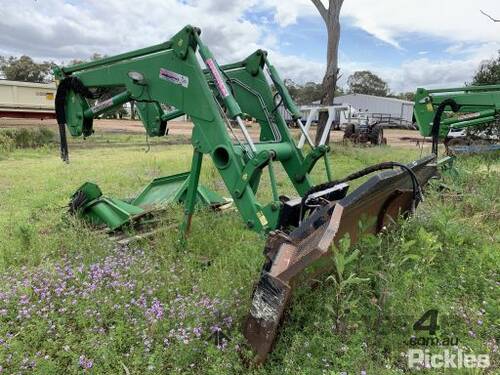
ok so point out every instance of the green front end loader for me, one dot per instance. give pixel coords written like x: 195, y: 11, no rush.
x: 301, y: 230
x: 466, y: 119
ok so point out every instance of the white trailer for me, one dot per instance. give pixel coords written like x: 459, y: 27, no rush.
x: 27, y: 99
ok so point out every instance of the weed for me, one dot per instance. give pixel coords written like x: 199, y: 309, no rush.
x: 25, y: 138
x: 344, y: 300
x: 73, y: 302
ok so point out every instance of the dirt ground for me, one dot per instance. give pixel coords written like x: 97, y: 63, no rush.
x: 395, y: 137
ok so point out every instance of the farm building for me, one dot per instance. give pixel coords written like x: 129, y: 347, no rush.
x: 389, y: 110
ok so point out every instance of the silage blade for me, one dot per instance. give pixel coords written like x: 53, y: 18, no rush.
x: 300, y: 254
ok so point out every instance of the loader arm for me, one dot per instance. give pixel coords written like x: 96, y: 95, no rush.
x: 170, y: 74
x: 302, y: 230
x: 477, y: 105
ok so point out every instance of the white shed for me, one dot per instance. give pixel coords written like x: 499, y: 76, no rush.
x: 392, y: 109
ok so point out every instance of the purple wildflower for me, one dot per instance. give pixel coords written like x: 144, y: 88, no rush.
x: 24, y: 299
x: 215, y: 328
x: 156, y: 311
x: 197, y: 331
x: 222, y: 344
x: 228, y: 321
x: 85, y: 363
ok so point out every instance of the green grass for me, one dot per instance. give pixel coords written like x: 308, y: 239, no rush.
x: 152, y: 308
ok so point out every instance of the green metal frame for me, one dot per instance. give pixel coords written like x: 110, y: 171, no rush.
x: 170, y: 73
x: 479, y: 105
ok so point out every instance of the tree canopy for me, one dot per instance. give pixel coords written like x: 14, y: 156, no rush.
x: 488, y: 72
x: 307, y: 93
x: 25, y: 69
x: 366, y: 82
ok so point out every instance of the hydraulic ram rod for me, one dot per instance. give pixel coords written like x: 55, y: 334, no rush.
x: 229, y: 100
x: 288, y: 101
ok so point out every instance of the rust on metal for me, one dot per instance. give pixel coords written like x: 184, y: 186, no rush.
x: 289, y: 256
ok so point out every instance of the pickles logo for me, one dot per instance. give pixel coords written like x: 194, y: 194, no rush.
x: 451, y: 357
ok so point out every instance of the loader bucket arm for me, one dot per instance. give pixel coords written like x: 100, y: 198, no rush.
x: 170, y: 74
x: 475, y: 105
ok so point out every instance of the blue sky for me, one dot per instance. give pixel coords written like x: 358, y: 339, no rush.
x: 409, y: 44
x: 359, y: 48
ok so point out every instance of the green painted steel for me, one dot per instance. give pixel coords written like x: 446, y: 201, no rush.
x: 98, y: 209
x: 151, y: 116
x: 116, y: 213
x: 478, y: 106
x: 169, y: 74
x: 106, y: 105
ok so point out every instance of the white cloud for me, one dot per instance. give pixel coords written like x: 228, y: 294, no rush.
x: 472, y: 36
x: 452, y: 20
x: 434, y: 73
x: 389, y: 20
x: 422, y: 72
x: 55, y: 29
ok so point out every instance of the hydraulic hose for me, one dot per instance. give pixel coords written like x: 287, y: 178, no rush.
x: 436, y: 124
x: 417, y: 191
x: 67, y: 84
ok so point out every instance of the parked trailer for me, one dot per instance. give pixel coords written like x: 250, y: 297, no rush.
x: 391, y: 111
x: 27, y: 99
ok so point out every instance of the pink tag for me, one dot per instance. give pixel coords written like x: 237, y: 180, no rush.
x: 219, y: 82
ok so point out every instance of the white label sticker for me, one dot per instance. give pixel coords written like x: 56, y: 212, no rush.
x: 173, y: 77
x: 217, y: 78
x: 262, y: 218
x: 469, y: 116
x: 102, y: 105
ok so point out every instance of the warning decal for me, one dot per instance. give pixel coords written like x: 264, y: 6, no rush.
x: 173, y: 77
x: 217, y: 78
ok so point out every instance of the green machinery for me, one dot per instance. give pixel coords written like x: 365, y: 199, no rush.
x: 169, y: 73
x: 300, y: 231
x: 451, y: 114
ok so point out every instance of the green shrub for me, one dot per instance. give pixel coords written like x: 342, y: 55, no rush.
x: 25, y: 138
x: 6, y: 143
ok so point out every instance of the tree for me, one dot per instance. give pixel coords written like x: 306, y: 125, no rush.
x: 305, y: 94
x: 331, y: 16
x: 365, y: 82
x: 490, y: 17
x: 410, y: 96
x: 488, y: 72
x: 25, y: 69
x: 293, y: 88
x: 310, y: 92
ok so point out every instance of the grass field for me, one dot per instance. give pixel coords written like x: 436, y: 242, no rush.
x: 72, y: 302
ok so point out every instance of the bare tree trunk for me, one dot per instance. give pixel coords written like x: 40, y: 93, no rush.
x: 331, y: 16
x: 490, y: 17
